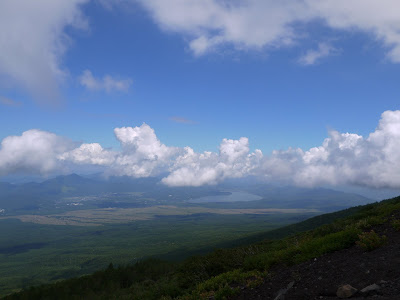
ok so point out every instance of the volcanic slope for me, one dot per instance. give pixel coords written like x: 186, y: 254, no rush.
x: 371, y: 266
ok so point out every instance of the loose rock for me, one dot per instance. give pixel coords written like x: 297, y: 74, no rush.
x: 370, y: 288
x: 282, y: 292
x: 346, y: 291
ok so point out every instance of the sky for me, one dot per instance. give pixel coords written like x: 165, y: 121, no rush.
x: 303, y: 91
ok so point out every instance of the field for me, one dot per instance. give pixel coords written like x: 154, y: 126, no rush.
x: 98, y: 217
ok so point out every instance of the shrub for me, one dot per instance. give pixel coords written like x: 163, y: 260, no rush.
x: 225, y: 292
x: 370, y: 240
x: 224, y: 285
x: 396, y: 225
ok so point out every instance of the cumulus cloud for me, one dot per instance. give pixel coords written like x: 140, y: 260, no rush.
x: 256, y: 24
x: 141, y: 155
x: 33, y: 40
x: 233, y: 160
x: 33, y: 152
x: 343, y: 158
x: 107, y: 83
x: 313, y: 56
x: 92, y: 154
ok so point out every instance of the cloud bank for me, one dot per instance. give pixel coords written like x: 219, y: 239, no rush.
x: 257, y: 24
x: 343, y: 158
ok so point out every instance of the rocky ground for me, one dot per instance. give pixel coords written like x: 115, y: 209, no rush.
x: 374, y: 274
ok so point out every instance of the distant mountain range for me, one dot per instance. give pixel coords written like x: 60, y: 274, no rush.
x: 32, y: 196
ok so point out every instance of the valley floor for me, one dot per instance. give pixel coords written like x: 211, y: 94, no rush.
x: 32, y: 253
x: 97, y: 217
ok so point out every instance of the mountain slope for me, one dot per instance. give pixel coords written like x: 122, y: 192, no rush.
x: 321, y: 277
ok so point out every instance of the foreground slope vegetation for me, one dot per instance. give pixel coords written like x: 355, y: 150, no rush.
x: 226, y: 272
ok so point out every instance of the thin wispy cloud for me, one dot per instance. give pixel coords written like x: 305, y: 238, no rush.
x: 314, y: 56
x: 10, y: 102
x: 181, y: 120
x: 106, y: 83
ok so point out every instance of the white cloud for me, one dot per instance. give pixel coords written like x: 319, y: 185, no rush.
x: 343, y: 158
x: 35, y: 151
x: 378, y: 18
x: 141, y: 154
x: 33, y: 34
x: 245, y: 24
x: 234, y: 160
x: 107, y: 83
x: 313, y: 56
x: 256, y: 24
x: 33, y: 40
x: 92, y: 154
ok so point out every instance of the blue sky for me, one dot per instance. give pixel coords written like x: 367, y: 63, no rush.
x: 197, y: 72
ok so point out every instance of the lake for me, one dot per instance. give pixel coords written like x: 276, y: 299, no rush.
x: 233, y: 197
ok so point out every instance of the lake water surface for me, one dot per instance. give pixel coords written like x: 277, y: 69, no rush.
x: 233, y: 197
